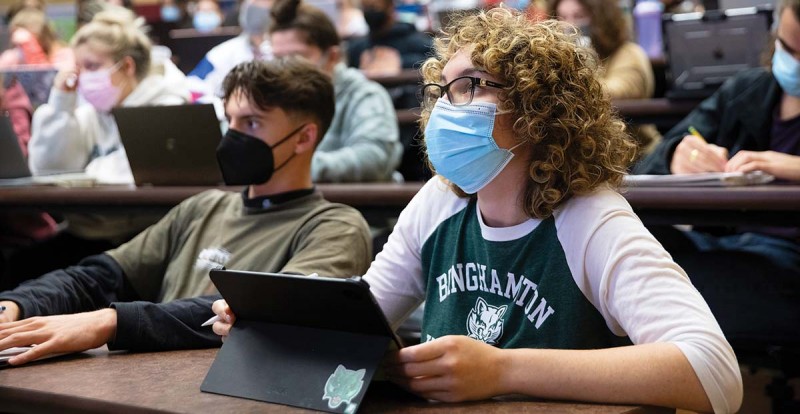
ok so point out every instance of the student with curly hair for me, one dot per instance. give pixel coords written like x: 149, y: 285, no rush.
x: 537, y: 276
x: 626, y: 70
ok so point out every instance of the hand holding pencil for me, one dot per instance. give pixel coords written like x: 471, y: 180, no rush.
x: 694, y: 155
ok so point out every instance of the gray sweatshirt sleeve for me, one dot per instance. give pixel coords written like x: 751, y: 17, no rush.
x: 367, y: 137
x: 61, y: 139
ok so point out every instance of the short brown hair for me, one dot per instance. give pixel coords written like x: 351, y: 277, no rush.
x: 608, y: 30
x: 312, y: 23
x: 558, y: 105
x: 291, y: 84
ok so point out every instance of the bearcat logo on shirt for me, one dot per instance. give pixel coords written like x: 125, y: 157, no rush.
x: 485, y: 322
x: 212, y: 258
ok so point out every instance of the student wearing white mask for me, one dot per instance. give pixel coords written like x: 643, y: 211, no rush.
x: 205, y: 80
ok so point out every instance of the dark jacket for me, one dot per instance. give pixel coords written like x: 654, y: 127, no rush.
x: 414, y: 46
x: 738, y: 117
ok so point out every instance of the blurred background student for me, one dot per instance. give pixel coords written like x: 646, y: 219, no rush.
x: 626, y: 72
x: 362, y: 143
x: 75, y: 131
x: 34, y: 42
x: 391, y: 45
x: 205, y: 80
x: 176, y: 13
x: 207, y: 16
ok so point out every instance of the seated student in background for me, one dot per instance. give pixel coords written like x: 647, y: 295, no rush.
x: 34, y: 42
x: 75, y: 131
x: 18, y: 5
x: 113, y: 69
x: 207, y: 16
x: 626, y: 70
x: 537, y: 276
x: 278, y: 112
x: 362, y: 143
x: 751, y: 123
x: 176, y: 12
x: 390, y: 45
x: 205, y: 80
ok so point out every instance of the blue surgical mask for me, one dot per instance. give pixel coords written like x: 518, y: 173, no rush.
x: 206, y: 21
x: 170, y: 13
x: 460, y: 144
x: 786, y: 70
x: 254, y: 19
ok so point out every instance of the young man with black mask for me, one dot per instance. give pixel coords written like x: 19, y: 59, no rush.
x: 126, y: 298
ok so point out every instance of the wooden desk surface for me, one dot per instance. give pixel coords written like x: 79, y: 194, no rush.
x: 684, y: 205
x: 161, y: 382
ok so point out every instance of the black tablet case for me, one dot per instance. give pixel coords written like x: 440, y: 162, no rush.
x: 300, y: 341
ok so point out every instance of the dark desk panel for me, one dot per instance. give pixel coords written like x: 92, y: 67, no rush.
x: 768, y: 204
x: 169, y: 382
x: 662, y: 112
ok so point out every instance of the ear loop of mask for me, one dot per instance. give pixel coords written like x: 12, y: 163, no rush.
x: 291, y: 134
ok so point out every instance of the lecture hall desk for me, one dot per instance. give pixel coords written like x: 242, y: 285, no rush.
x: 169, y: 382
x: 765, y: 204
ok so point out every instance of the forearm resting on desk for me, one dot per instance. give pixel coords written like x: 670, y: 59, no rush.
x: 653, y: 374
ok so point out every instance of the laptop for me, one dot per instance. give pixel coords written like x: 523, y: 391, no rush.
x: 189, y: 46
x: 304, y: 341
x: 14, y: 170
x: 705, y: 49
x: 36, y: 80
x: 171, y: 145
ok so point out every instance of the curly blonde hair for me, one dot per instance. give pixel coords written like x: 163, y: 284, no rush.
x: 577, y: 141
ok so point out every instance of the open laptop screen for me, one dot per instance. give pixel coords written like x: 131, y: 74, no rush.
x: 705, y: 49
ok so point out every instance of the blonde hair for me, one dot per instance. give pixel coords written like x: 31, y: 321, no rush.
x: 120, y: 31
x: 577, y: 142
x: 35, y: 21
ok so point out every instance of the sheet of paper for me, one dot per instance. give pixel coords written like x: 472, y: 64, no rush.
x: 715, y: 179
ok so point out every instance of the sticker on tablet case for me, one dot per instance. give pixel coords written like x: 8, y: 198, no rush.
x: 342, y: 386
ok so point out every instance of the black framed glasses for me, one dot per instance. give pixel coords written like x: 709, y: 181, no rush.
x: 460, y: 91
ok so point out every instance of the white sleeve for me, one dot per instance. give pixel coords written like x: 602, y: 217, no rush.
x: 640, y: 291
x: 395, y: 277
x: 61, y: 139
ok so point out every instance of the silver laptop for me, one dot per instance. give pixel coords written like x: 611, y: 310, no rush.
x: 705, y: 49
x: 171, y: 145
x: 14, y: 167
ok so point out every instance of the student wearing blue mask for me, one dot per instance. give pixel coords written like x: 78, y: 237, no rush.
x: 537, y: 277
x: 751, y: 123
x: 207, y: 16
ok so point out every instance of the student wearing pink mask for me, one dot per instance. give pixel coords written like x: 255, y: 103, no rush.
x: 75, y: 131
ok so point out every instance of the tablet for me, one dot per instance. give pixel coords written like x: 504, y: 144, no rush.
x: 310, y: 301
x: 305, y: 341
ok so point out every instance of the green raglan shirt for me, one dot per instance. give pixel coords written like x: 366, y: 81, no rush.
x: 513, y: 294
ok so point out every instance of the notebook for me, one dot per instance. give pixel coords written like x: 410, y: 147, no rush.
x: 171, y: 145
x: 14, y: 167
x: 299, y: 340
x: 705, y: 49
x: 710, y: 179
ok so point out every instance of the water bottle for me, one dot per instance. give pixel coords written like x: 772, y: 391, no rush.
x: 647, y: 15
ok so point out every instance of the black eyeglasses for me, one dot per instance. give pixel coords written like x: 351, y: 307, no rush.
x: 460, y: 91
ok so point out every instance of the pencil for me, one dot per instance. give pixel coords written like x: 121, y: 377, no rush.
x: 695, y: 132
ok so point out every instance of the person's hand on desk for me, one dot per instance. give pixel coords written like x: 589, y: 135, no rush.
x: 58, y: 334
x: 694, y: 155
x: 782, y: 166
x: 445, y: 369
x: 226, y: 318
